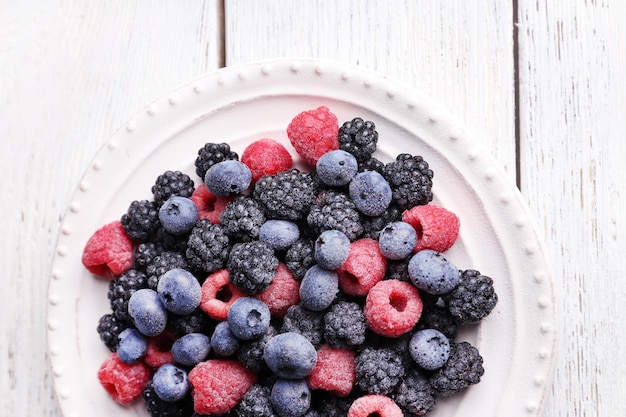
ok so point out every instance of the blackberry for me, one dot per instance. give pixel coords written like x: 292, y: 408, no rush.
x: 109, y: 329
x: 287, y: 195
x: 373, y: 225
x: 328, y: 405
x: 195, y: 322
x: 120, y: 291
x: 344, y: 325
x: 309, y: 324
x: 145, y: 254
x: 300, y: 257
x: 172, y: 243
x: 158, y: 408
x: 211, y: 154
x: 172, y: 183
x: 333, y: 210
x: 252, y: 266
x: 256, y: 403
x: 398, y: 270
x: 438, y: 317
x: 250, y: 353
x: 400, y: 346
x: 359, y: 138
x: 378, y: 371
x: 208, y: 246
x: 414, y: 395
x: 464, y: 368
x: 161, y: 264
x: 141, y: 220
x: 242, y: 219
x: 472, y: 299
x: 372, y: 164
x: 411, y: 180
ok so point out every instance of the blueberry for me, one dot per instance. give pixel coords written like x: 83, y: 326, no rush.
x: 290, y: 355
x: 331, y: 249
x: 248, y: 318
x: 132, y: 346
x: 290, y: 397
x: 191, y: 349
x: 318, y: 288
x: 180, y: 291
x: 336, y: 168
x: 223, y: 341
x: 429, y: 348
x: 228, y: 178
x: 279, y: 234
x: 397, y: 240
x: 178, y: 215
x: 370, y: 193
x: 432, y: 272
x: 148, y: 313
x: 170, y: 383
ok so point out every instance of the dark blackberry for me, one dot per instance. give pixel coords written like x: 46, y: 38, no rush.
x: 333, y: 210
x: 208, y: 246
x: 172, y: 183
x: 252, y: 266
x: 414, y: 395
x: 464, y: 368
x: 372, y: 164
x: 300, y: 257
x: 195, y: 322
x: 435, y: 316
x: 120, y: 291
x: 287, y: 195
x: 145, y: 254
x: 472, y: 299
x: 256, y: 403
x: 411, y: 180
x: 378, y: 371
x: 309, y: 324
x: 109, y: 329
x: 163, y: 263
x: 344, y: 325
x: 328, y: 405
x: 242, y: 219
x: 211, y: 154
x: 141, y: 220
x: 171, y: 242
x: 359, y: 138
x: 250, y: 353
x: 398, y: 270
x: 158, y: 408
x: 373, y: 225
x: 400, y: 346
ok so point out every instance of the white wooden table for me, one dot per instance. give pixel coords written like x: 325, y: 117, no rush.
x: 540, y: 83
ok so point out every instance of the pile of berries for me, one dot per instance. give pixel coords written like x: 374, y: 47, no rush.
x: 270, y: 291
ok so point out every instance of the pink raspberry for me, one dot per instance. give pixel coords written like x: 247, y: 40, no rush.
x: 218, y: 294
x: 392, y: 308
x: 123, y: 382
x: 209, y: 205
x: 266, y: 157
x: 313, y: 133
x: 159, y: 350
x: 364, y: 267
x: 334, y: 371
x: 283, y: 292
x: 219, y: 384
x: 109, y: 251
x: 374, y: 405
x: 436, y: 227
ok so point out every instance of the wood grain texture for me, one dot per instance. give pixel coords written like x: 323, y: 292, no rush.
x: 572, y: 100
x: 71, y: 73
x: 459, y: 53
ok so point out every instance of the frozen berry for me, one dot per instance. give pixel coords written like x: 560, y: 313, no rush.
x: 248, y: 318
x: 170, y: 383
x: 411, y: 180
x: 223, y: 341
x: 228, y: 178
x: 179, y: 291
x: 331, y: 249
x: 378, y: 371
x: 358, y: 137
x: 370, y: 193
x: 159, y: 350
x: 141, y: 221
x: 363, y: 268
x: 397, y: 240
x: 283, y: 292
x: 123, y: 382
x: 374, y: 405
x: 211, y: 154
x: 218, y: 294
x: 336, y: 168
x: 472, y: 299
x: 432, y: 272
x: 334, y: 371
x: 242, y: 219
x: 279, y: 234
x: 436, y: 228
x: 287, y: 195
x: 290, y: 397
x: 109, y: 251
x: 208, y: 246
x: 178, y: 215
x: 148, y: 313
x: 132, y: 346
x: 313, y: 133
x: 172, y: 183
x: 344, y: 325
x: 290, y: 355
x: 191, y: 349
x: 318, y: 288
x: 429, y: 348
x: 266, y: 157
x: 463, y: 368
x: 209, y: 205
x: 252, y: 266
x: 392, y: 308
x: 309, y: 324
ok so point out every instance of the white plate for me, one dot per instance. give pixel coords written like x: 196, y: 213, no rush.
x: 240, y: 104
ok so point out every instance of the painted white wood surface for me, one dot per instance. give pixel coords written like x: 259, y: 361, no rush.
x: 71, y: 73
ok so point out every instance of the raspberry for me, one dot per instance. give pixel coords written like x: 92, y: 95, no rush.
x: 161, y: 264
x: 120, y: 291
x: 309, y: 324
x: 414, y: 394
x: 287, y: 195
x: 172, y: 183
x: 313, y: 133
x: 359, y: 138
x: 159, y: 350
x: 208, y: 246
x: 252, y: 266
x: 378, y: 371
x: 344, y: 325
x: 109, y: 329
x: 218, y: 294
x: 411, y: 180
x: 211, y: 154
x: 141, y: 221
x: 300, y: 257
x: 374, y: 405
x: 242, y: 219
x: 392, y: 308
x: 209, y: 205
x: 219, y: 384
x: 123, y: 382
x: 334, y: 371
x: 266, y: 157
x: 364, y: 267
x: 333, y: 210
x: 437, y: 228
x: 282, y: 293
x: 109, y: 251
x: 463, y: 368
x: 472, y: 299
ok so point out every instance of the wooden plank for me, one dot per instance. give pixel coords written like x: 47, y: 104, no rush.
x: 460, y: 53
x: 71, y: 73
x: 572, y: 100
